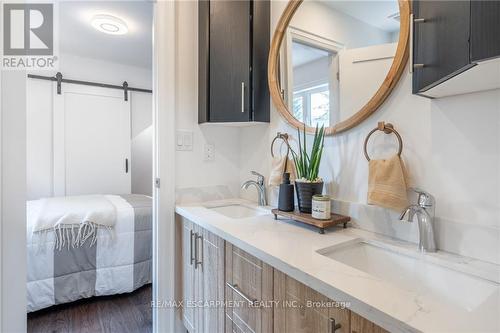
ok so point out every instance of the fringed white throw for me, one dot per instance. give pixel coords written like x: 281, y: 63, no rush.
x: 75, y: 219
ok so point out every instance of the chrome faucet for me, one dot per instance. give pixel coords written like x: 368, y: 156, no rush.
x: 259, y: 184
x: 424, y: 209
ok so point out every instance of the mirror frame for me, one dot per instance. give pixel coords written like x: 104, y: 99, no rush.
x: 385, y: 89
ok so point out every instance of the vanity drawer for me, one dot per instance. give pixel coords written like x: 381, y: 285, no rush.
x: 301, y: 309
x: 248, y: 279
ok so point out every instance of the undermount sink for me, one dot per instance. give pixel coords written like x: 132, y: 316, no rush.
x: 413, y: 271
x: 237, y: 211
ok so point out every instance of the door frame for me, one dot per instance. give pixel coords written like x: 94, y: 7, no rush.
x: 1, y: 217
x: 164, y: 104
x: 313, y: 40
x: 13, y: 190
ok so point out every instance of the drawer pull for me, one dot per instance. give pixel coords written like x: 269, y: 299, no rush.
x: 198, y: 261
x: 242, y: 97
x: 234, y: 287
x: 191, y: 252
x: 333, y: 325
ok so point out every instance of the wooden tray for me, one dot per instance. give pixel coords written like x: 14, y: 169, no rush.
x: 307, y: 219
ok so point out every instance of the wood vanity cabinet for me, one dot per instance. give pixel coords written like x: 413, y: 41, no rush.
x: 188, y: 275
x: 258, y: 297
x: 233, y: 45
x: 362, y: 325
x: 450, y: 39
x: 301, y: 309
x: 202, y: 279
x: 248, y: 280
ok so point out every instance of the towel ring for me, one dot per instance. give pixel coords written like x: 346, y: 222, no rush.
x: 284, y: 137
x: 387, y: 129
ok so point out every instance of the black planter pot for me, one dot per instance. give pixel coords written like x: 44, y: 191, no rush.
x: 305, y: 192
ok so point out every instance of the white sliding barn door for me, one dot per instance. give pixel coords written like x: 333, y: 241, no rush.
x: 91, y: 141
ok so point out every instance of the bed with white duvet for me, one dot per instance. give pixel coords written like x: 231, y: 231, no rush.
x: 108, y: 253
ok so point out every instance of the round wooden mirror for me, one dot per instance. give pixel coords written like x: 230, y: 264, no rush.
x: 334, y: 62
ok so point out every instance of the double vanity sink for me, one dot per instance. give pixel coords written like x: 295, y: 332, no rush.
x: 386, y: 281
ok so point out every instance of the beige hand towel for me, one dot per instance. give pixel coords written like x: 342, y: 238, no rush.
x: 387, y: 183
x: 278, y: 168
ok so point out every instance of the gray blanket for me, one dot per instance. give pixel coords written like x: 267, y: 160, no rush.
x: 117, y: 263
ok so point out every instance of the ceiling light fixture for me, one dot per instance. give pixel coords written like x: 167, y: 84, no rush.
x: 109, y: 24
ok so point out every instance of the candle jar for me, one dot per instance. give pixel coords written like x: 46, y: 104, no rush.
x: 321, y: 207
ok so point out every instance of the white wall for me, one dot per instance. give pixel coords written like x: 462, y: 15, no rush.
x: 191, y: 168
x: 320, y: 19
x: 39, y: 121
x: 452, y: 148
x: 89, y: 69
x: 225, y: 172
x: 311, y: 73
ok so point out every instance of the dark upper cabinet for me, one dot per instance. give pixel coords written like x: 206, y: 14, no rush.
x: 233, y: 48
x: 485, y: 30
x: 449, y: 39
x: 441, y: 41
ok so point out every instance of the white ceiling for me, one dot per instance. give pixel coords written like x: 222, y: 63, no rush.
x: 303, y: 54
x: 373, y: 12
x: 78, y: 37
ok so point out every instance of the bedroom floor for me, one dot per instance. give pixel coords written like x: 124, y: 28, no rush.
x: 118, y: 313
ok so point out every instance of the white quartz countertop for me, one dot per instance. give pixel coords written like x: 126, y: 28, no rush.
x: 292, y: 249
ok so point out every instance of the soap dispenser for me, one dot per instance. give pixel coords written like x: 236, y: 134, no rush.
x: 286, y: 196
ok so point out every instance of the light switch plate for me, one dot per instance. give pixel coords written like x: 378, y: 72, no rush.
x: 184, y: 140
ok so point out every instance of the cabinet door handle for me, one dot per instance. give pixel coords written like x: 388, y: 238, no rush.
x: 191, y: 254
x: 195, y: 250
x: 126, y: 165
x: 413, y: 20
x: 234, y: 287
x: 333, y: 325
x: 242, y: 97
x: 198, y: 261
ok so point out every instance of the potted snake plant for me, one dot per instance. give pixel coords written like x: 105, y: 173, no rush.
x: 308, y: 183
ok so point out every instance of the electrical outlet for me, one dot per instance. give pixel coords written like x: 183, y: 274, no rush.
x: 209, y: 152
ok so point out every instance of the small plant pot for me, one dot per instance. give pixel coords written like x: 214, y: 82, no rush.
x: 305, y: 192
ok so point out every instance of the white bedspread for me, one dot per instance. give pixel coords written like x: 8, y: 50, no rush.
x: 117, y: 263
